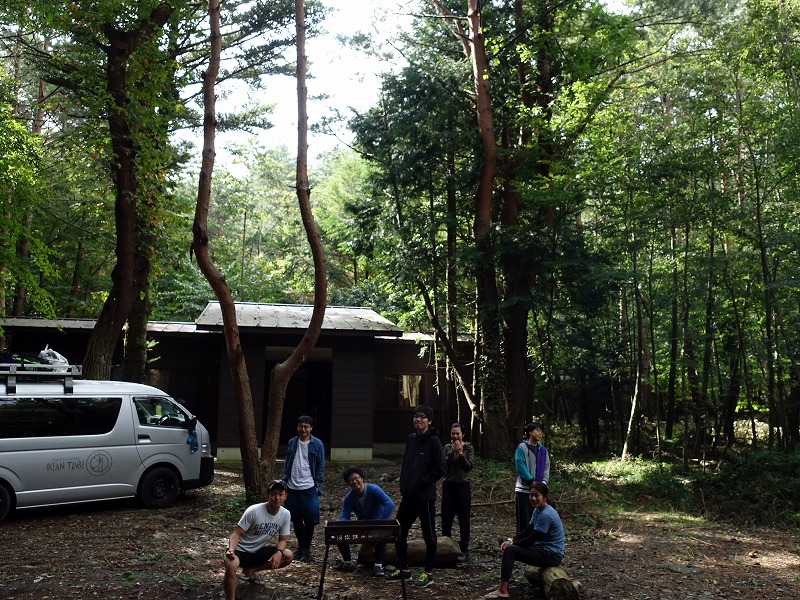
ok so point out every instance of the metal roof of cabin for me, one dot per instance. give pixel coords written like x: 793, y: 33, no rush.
x: 276, y: 317
x: 293, y: 317
x: 36, y: 323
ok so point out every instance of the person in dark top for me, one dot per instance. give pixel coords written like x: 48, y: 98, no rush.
x: 540, y: 544
x: 459, y: 456
x: 423, y: 465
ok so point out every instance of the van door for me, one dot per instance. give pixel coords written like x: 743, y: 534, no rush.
x: 162, y: 427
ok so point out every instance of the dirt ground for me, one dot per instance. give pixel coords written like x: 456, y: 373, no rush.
x: 117, y: 550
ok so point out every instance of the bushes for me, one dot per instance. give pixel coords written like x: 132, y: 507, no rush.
x: 760, y: 488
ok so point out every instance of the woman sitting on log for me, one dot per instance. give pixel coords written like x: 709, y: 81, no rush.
x: 540, y: 544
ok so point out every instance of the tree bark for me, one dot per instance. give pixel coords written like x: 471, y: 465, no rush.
x: 672, y: 377
x: 122, y: 44
x: 490, y: 366
x: 283, y: 371
x: 490, y: 370
x: 75, y: 288
x: 241, y: 382
x: 135, y: 363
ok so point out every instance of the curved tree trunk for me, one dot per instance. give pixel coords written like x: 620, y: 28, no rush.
x: 282, y: 372
x: 241, y: 382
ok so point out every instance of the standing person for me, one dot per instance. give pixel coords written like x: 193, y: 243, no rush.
x: 540, y: 544
x: 367, y: 501
x: 459, y: 456
x: 247, y: 546
x: 303, y: 472
x: 532, y: 463
x: 423, y: 465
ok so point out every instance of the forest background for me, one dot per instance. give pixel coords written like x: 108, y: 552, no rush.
x: 607, y: 203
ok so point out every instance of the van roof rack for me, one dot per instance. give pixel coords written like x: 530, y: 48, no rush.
x: 13, y: 372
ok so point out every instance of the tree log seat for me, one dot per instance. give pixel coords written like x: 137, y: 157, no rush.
x: 447, y: 552
x: 555, y: 582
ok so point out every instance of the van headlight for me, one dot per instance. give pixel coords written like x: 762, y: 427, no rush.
x: 205, y: 450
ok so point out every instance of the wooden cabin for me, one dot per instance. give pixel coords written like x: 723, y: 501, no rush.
x: 360, y: 383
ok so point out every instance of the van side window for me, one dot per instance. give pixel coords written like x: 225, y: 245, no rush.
x: 159, y: 412
x: 50, y: 417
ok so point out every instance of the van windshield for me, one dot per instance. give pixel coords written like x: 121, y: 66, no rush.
x: 159, y: 412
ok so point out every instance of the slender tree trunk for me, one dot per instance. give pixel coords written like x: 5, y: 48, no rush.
x: 75, y: 288
x: 632, y: 418
x: 652, y: 357
x: 672, y: 376
x: 282, y: 372
x: 241, y: 382
x: 451, y: 293
x: 490, y: 369
x: 708, y: 339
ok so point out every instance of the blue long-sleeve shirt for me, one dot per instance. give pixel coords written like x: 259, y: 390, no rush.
x: 376, y: 504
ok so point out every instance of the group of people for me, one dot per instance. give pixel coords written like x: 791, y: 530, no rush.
x: 294, y: 500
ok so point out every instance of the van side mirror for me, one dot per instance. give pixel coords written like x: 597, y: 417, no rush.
x: 191, y: 423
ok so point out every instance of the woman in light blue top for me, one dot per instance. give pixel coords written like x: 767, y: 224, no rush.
x: 540, y: 544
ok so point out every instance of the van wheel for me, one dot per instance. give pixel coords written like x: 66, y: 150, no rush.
x: 5, y: 501
x: 159, y: 487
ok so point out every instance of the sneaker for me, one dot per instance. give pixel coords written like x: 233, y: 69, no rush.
x: 377, y: 571
x: 463, y: 557
x: 306, y: 555
x: 397, y: 575
x: 424, y: 580
x: 343, y: 566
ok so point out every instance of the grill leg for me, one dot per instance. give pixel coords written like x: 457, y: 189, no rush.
x: 322, y: 575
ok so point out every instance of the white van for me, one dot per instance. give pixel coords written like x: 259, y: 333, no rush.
x: 65, y: 440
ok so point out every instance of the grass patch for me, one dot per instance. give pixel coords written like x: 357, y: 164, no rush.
x: 147, y: 557
x: 594, y: 489
x: 492, y: 480
x: 230, y: 510
x: 183, y: 558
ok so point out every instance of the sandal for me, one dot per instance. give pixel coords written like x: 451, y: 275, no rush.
x: 495, y: 594
x: 244, y: 577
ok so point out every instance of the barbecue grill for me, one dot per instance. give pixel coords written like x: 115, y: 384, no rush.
x: 366, y: 531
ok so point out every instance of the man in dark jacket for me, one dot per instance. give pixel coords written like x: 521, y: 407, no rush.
x: 423, y: 465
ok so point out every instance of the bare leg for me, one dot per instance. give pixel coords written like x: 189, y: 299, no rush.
x: 229, y: 581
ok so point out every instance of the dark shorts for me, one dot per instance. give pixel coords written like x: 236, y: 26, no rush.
x: 258, y: 558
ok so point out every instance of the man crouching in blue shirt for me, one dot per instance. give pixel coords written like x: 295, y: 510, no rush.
x: 366, y: 501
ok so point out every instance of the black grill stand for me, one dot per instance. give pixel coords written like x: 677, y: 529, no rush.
x: 358, y: 532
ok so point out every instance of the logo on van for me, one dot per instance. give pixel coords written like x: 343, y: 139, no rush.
x: 99, y: 463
